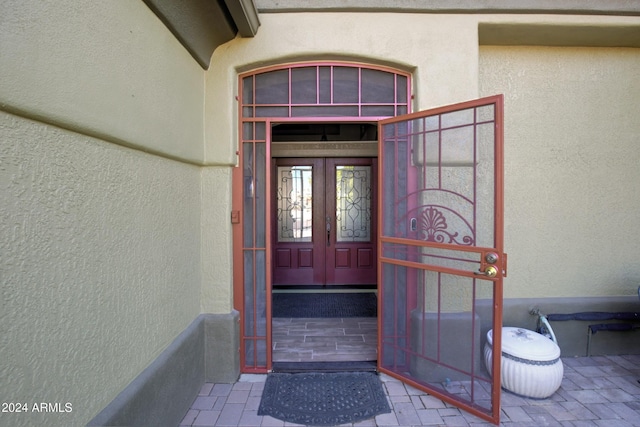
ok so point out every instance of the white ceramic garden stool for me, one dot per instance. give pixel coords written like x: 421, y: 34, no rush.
x: 530, y: 364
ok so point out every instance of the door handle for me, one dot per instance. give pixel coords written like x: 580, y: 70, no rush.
x: 490, y: 271
x: 328, y: 231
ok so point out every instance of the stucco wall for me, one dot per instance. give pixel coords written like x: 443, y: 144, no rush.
x: 570, y: 216
x: 106, y: 68
x: 100, y: 248
x: 437, y: 49
x: 100, y: 266
x: 572, y: 194
x: 216, y: 255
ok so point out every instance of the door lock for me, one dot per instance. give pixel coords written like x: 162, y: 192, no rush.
x: 490, y: 271
x: 491, y: 257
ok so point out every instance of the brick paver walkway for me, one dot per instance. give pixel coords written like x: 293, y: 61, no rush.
x: 595, y: 391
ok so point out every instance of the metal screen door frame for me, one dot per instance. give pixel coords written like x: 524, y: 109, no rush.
x: 318, y: 92
x: 423, y: 256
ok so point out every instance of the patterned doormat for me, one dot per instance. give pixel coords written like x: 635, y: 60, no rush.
x: 357, y: 304
x: 323, y: 399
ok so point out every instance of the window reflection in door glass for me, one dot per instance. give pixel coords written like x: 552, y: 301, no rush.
x: 295, y: 202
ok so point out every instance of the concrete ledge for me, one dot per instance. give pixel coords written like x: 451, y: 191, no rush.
x: 572, y: 334
x: 222, y: 347
x: 207, y: 350
x: 164, y: 391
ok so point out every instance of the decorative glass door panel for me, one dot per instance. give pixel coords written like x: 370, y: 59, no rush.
x: 324, y: 217
x: 298, y: 251
x: 351, y: 249
x: 295, y: 195
x: 353, y: 203
x: 441, y: 251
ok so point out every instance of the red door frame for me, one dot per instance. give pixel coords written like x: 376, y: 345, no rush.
x: 252, y: 114
x: 413, y: 246
x: 249, y: 334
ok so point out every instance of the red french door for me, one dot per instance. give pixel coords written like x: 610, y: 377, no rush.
x: 441, y: 259
x: 324, y: 221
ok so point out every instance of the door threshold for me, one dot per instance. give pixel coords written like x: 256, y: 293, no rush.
x: 298, y: 367
x: 322, y: 288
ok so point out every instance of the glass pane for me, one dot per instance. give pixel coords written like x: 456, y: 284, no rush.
x: 294, y: 202
x: 377, y: 87
x: 249, y: 295
x: 261, y: 131
x: 324, y: 85
x: 378, y: 110
x: 261, y: 195
x: 395, y: 314
x: 247, y: 90
x: 353, y: 203
x: 326, y: 111
x: 345, y: 85
x: 261, y: 293
x: 247, y: 131
x: 401, y: 90
x: 248, y: 193
x: 304, y: 85
x: 272, y: 111
x: 272, y: 87
x: 250, y: 353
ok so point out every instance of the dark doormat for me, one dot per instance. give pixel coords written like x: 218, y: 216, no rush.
x: 347, y: 304
x: 323, y: 399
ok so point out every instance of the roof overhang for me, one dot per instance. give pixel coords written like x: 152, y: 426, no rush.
x: 203, y: 25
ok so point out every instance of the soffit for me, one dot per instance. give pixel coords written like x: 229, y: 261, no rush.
x: 203, y: 25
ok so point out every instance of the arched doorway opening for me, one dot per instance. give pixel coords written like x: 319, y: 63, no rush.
x: 440, y: 234
x: 311, y: 117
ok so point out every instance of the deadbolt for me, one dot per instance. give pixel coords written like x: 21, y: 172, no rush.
x: 491, y: 257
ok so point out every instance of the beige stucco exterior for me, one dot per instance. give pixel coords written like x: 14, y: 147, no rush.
x: 117, y: 149
x: 100, y: 244
x: 571, y: 153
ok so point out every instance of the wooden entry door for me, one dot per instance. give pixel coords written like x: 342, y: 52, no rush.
x: 324, y: 221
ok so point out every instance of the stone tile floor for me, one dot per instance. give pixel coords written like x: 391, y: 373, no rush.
x: 595, y: 391
x: 324, y: 340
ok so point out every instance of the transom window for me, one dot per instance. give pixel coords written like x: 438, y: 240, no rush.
x: 325, y: 90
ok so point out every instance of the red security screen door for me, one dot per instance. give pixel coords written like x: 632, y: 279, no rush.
x: 441, y: 259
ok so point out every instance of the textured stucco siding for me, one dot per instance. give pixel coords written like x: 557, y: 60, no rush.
x: 217, y: 261
x: 571, y: 168
x: 438, y: 49
x: 571, y: 154
x: 105, y: 68
x: 100, y: 266
x: 100, y: 245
